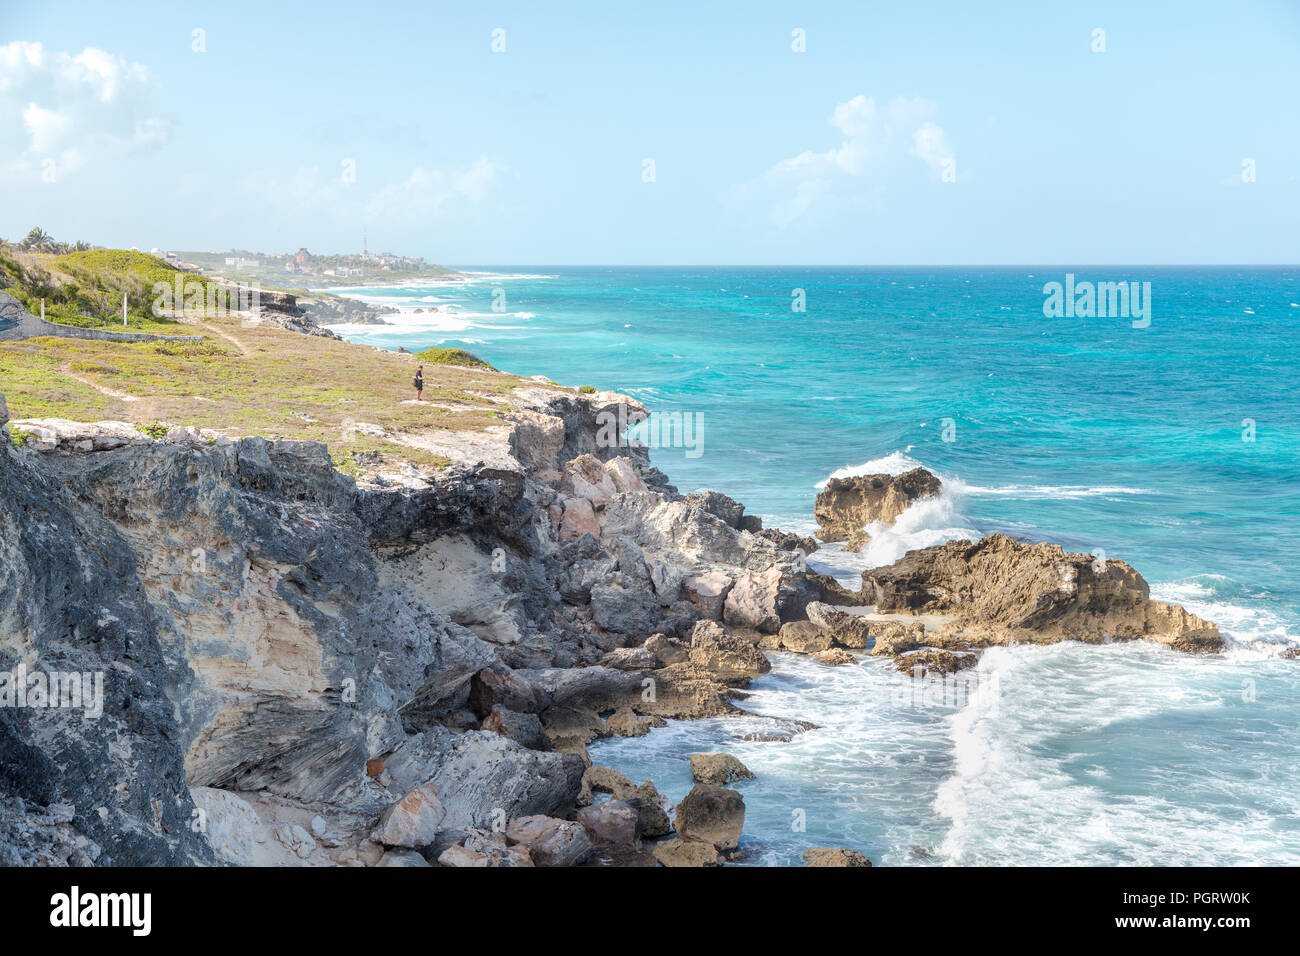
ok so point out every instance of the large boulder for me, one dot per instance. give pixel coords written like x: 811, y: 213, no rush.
x: 713, y: 815
x: 412, y: 822
x: 482, y: 777
x: 708, y: 592
x: 499, y: 686
x: 804, y: 637
x: 550, y: 841
x: 1001, y: 591
x: 847, y: 505
x: 612, y: 823
x: 753, y: 601
x: 730, y: 659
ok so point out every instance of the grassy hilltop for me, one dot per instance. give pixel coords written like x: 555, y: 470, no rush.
x: 243, y: 378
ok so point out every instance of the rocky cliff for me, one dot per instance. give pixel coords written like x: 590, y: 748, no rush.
x: 284, y: 648
x: 300, y: 669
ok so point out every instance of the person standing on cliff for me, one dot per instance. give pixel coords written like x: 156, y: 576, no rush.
x: 419, y: 383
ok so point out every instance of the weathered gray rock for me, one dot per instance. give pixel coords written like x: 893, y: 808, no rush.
x: 550, y: 841
x: 523, y: 729
x: 612, y: 823
x: 482, y: 778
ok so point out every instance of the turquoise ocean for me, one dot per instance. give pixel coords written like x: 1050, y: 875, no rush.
x: 1175, y: 447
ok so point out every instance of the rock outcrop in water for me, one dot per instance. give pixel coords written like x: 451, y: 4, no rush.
x: 1000, y: 591
x: 847, y: 505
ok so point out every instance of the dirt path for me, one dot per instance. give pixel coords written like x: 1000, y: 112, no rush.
x: 102, y: 389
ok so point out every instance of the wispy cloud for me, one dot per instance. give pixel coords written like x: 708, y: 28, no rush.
x: 877, y: 143
x: 73, y: 109
x: 425, y: 192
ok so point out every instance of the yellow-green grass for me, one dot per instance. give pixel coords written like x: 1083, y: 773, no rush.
x: 85, y: 289
x: 258, y: 380
x: 437, y: 356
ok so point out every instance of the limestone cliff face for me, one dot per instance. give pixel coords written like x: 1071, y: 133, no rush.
x: 297, y: 668
x: 266, y: 627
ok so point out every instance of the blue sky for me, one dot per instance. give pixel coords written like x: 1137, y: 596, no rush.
x: 1056, y: 154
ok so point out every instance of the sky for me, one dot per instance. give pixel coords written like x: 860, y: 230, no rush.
x: 668, y: 133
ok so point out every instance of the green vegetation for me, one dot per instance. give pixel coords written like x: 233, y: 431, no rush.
x: 20, y: 437
x: 85, y: 288
x: 587, y: 389
x: 452, y: 357
x: 153, y: 429
x: 238, y: 380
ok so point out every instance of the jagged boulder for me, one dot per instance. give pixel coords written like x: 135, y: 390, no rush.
x: 1001, y: 590
x: 729, y: 659
x: 712, y: 815
x: 847, y: 505
x: 550, y: 841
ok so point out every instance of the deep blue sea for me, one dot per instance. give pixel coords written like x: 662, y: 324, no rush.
x: 1174, y: 446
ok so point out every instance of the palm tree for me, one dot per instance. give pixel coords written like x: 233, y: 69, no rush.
x: 38, y: 240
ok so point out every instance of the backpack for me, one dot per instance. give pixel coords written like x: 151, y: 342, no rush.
x: 418, y: 382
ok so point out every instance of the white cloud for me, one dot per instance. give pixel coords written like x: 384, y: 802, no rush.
x: 74, y: 109
x: 426, y: 191
x: 878, y: 140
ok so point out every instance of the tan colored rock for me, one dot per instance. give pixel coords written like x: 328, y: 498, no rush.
x: 686, y: 853
x: 414, y: 821
x: 895, y: 637
x: 585, y: 478
x: 821, y: 856
x: 718, y: 769
x: 626, y: 723
x: 845, y: 629
x: 847, y: 505
x: 711, y: 814
x: 1003, y: 591
x: 729, y: 659
x: 834, y: 657
x: 685, y: 691
x: 624, y: 477
x: 667, y: 650
x: 649, y: 804
x: 804, y: 637
x: 612, y: 823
